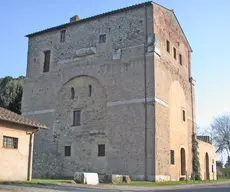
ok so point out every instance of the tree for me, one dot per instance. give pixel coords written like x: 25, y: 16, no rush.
x: 195, y: 159
x: 228, y: 162
x: 11, y: 93
x: 220, y: 130
x: 219, y: 164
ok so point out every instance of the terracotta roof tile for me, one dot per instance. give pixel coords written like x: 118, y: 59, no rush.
x: 7, y: 115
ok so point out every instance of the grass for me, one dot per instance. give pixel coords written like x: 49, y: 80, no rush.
x: 168, y: 183
x: 133, y: 183
x: 39, y: 181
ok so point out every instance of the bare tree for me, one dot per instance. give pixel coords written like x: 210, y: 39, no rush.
x: 220, y: 133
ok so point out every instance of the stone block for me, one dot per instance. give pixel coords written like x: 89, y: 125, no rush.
x: 85, y: 51
x: 117, y: 54
x: 114, y: 179
x: 86, y: 178
x: 126, y: 179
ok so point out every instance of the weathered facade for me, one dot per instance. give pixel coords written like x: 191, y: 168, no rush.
x: 120, y: 81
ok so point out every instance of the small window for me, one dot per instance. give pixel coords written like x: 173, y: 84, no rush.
x: 77, y: 118
x: 183, y: 115
x: 90, y: 90
x: 67, y: 151
x: 172, y: 156
x: 102, y: 38
x: 180, y: 59
x: 62, y: 36
x: 46, y: 66
x: 72, y: 93
x: 10, y: 142
x: 101, y: 150
x: 168, y: 46
x: 174, y: 52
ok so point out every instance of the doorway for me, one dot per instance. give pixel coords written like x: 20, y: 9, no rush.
x: 183, y: 161
x: 207, y: 174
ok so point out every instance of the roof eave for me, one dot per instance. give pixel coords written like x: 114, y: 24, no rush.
x: 90, y: 18
x: 183, y: 32
x: 32, y: 126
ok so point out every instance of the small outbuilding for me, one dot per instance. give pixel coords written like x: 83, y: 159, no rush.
x: 16, y: 145
x: 207, y: 157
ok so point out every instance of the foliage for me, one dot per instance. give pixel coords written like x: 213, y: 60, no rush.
x: 171, y: 183
x: 225, y: 172
x: 220, y: 129
x: 219, y: 164
x: 195, y: 159
x: 228, y: 162
x: 11, y: 93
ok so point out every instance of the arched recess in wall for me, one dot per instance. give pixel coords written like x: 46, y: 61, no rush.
x: 81, y: 121
x: 65, y: 104
x: 178, y: 127
x: 82, y: 76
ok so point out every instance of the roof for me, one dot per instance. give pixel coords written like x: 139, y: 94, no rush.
x: 91, y: 18
x: 107, y: 14
x: 10, y: 116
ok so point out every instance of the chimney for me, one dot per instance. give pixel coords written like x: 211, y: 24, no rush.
x: 74, y: 19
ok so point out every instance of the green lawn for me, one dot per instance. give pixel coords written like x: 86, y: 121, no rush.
x: 148, y: 183
x: 133, y: 183
x: 40, y: 181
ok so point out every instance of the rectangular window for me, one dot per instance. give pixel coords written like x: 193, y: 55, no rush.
x: 183, y: 115
x: 174, y: 52
x: 67, y: 151
x: 62, y: 37
x: 102, y: 38
x: 10, y: 142
x: 101, y: 150
x: 77, y: 118
x: 180, y: 59
x: 46, y: 66
x: 168, y: 46
x: 172, y: 157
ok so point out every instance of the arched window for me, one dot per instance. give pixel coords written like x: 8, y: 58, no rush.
x: 90, y: 90
x: 72, y: 93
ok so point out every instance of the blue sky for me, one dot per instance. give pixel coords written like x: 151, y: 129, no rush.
x: 206, y: 24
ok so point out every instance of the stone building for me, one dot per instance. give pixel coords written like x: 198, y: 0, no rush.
x: 16, y: 145
x: 117, y: 93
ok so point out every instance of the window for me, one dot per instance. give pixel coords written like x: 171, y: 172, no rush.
x: 90, y: 90
x: 174, y: 52
x: 102, y: 38
x: 101, y: 150
x: 67, y: 151
x: 180, y: 59
x: 72, y: 93
x: 62, y: 36
x: 77, y: 118
x: 172, y: 157
x: 183, y: 111
x: 168, y: 46
x: 10, y: 142
x: 46, y: 66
